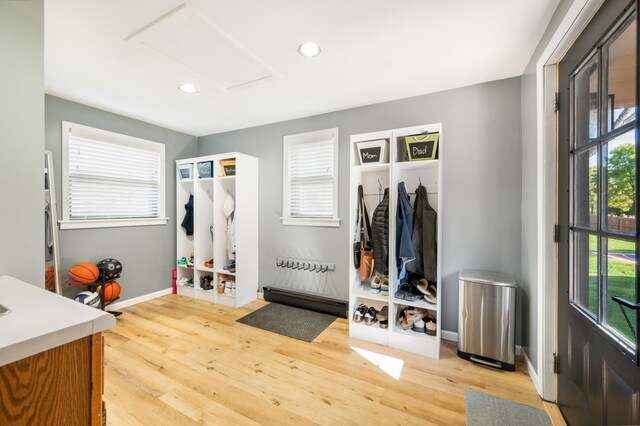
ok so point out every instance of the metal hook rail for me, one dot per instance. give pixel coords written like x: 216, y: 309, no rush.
x: 304, y: 265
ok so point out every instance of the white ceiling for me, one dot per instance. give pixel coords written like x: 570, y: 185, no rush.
x: 372, y: 51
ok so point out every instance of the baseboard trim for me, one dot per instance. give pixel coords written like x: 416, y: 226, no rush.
x: 140, y: 299
x: 449, y: 335
x: 532, y: 372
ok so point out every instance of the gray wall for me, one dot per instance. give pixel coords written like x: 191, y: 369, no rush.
x: 21, y: 140
x: 529, y: 284
x: 146, y: 252
x: 482, y: 181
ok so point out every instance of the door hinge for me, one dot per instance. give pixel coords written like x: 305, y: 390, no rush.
x: 555, y: 364
x: 556, y: 233
x: 556, y: 101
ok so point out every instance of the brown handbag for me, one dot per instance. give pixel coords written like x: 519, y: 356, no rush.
x: 366, y: 245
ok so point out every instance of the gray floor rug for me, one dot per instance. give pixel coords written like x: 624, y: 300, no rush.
x: 289, y: 321
x: 484, y: 409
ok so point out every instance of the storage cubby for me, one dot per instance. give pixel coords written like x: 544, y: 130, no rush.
x: 210, y: 239
x: 372, y: 177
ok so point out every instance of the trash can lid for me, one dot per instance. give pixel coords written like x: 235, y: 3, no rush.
x: 486, y: 277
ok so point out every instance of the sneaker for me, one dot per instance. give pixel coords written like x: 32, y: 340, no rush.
x: 182, y: 261
x: 376, y: 284
x: 418, y: 326
x: 431, y: 326
x: 371, y: 316
x: 384, y: 287
x: 209, y: 264
x: 231, y: 267
x: 227, y: 287
x: 358, y: 314
x: 233, y: 288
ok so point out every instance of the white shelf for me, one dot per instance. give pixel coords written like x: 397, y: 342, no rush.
x: 428, y: 173
x: 364, y: 292
x: 414, y: 334
x: 185, y: 181
x: 209, y: 196
x: 420, y: 303
x: 371, y: 167
x: 418, y: 164
x: 185, y: 267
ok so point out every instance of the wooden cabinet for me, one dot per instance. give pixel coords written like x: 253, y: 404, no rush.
x: 62, y: 385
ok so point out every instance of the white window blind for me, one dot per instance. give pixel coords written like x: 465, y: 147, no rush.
x: 311, y: 175
x: 113, y: 179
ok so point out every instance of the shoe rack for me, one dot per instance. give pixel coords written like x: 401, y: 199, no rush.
x: 375, y: 177
x: 209, y: 240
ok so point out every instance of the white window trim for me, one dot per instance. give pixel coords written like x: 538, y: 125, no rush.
x: 114, y: 138
x: 318, y: 135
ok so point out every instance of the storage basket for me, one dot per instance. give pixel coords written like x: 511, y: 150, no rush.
x: 422, y: 147
x: 373, y: 151
x: 228, y: 167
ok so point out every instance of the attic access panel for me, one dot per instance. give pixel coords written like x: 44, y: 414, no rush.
x: 186, y: 36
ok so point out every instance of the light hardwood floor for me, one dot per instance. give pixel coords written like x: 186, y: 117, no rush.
x: 176, y: 360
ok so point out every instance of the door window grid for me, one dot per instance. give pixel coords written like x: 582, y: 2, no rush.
x: 598, y: 257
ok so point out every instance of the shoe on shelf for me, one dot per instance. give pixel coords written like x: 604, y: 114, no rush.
x: 208, y: 264
x: 358, y: 314
x: 418, y: 326
x: 384, y: 287
x: 376, y: 284
x: 182, y: 261
x: 429, y: 290
x: 431, y: 326
x: 413, y: 294
x: 383, y: 314
x: 403, y: 289
x: 231, y: 267
x: 371, y: 316
x: 410, y: 317
x: 233, y: 288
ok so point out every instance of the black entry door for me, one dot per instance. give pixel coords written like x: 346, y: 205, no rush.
x: 598, y: 372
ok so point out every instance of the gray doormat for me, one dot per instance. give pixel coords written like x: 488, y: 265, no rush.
x: 484, y: 409
x: 289, y: 321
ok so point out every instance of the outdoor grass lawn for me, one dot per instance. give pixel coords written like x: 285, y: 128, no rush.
x: 621, y: 282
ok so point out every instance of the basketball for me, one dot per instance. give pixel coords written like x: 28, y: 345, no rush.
x: 49, y: 275
x: 88, y: 298
x: 111, y: 291
x: 82, y: 274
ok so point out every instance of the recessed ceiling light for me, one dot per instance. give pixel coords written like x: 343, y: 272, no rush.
x: 188, y: 88
x: 309, y: 49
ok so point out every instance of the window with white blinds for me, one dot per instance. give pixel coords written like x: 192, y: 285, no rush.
x: 311, y: 179
x: 111, y: 179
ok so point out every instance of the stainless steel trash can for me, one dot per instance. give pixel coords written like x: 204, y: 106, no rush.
x: 486, y: 319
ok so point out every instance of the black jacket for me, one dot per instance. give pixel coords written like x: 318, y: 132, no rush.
x: 424, y: 237
x: 380, y: 235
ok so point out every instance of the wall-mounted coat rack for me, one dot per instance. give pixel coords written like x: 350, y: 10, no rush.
x: 304, y: 265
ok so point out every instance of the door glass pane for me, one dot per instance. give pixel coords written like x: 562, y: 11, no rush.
x: 585, y: 188
x: 620, y: 193
x: 621, y: 281
x: 585, y: 268
x: 620, y: 54
x: 585, y: 93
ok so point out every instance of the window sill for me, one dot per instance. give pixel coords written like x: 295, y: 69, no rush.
x: 298, y: 221
x: 110, y: 223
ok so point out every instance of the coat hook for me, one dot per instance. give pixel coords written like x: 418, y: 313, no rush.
x: 420, y: 180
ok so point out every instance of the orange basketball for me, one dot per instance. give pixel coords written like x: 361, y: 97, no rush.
x: 82, y: 274
x: 111, y: 291
x: 49, y: 274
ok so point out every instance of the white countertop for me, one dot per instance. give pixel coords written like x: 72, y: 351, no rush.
x: 41, y: 320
